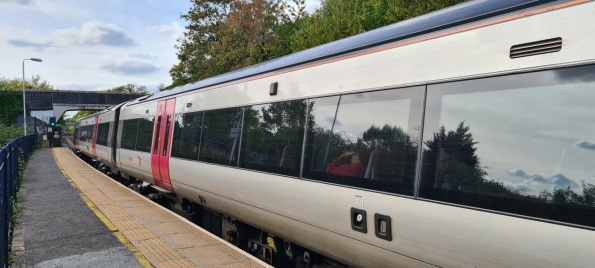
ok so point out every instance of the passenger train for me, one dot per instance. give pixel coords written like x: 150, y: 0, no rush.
x: 461, y: 138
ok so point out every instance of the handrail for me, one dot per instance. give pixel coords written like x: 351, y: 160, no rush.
x: 10, y: 179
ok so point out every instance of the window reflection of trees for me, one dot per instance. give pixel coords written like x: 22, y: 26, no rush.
x: 452, y: 172
x: 186, y: 139
x: 387, y: 153
x: 518, y: 144
x: 273, y: 136
x: 145, y: 134
x: 217, y: 144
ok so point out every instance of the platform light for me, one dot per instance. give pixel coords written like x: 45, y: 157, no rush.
x: 24, y: 103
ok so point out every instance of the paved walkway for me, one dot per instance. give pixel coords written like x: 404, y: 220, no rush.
x: 57, y: 229
x: 149, y: 234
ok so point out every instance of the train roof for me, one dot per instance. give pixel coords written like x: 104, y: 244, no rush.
x: 457, y: 15
x: 109, y: 109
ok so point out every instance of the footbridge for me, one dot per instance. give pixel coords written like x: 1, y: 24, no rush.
x: 61, y: 101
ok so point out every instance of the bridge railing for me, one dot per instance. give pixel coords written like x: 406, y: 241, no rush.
x: 10, y: 178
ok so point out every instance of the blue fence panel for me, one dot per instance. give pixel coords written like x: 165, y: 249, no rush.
x: 9, y: 180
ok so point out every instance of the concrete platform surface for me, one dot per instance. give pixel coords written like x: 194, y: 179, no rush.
x: 154, y: 235
x: 57, y: 228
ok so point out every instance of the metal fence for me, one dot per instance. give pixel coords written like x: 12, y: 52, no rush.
x: 9, y: 182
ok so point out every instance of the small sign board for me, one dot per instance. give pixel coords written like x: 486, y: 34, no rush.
x: 234, y: 133
x: 45, y: 137
x: 49, y: 129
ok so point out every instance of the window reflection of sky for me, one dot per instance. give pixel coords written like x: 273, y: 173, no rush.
x: 531, y: 139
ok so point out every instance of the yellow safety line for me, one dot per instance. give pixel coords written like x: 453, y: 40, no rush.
x: 142, y: 260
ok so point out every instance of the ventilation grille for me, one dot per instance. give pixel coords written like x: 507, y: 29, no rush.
x: 536, y: 48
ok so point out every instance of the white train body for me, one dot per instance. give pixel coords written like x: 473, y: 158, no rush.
x: 317, y: 214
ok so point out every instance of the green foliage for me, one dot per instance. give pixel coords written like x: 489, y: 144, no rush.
x: 458, y: 164
x: 569, y: 197
x: 11, y: 106
x: 337, y: 19
x: 129, y: 88
x: 225, y: 35
x: 76, y: 117
x: 16, y: 83
x: 9, y: 133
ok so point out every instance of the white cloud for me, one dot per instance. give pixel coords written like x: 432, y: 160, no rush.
x: 144, y: 56
x: 95, y: 33
x: 585, y: 144
x: 20, y: 2
x: 560, y: 181
x: 23, y: 43
x: 129, y: 67
x: 541, y: 182
x: 174, y: 29
x: 518, y: 173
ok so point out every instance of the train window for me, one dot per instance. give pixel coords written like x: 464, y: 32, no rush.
x: 219, y: 141
x: 186, y: 135
x: 520, y: 144
x: 145, y: 134
x: 272, y: 137
x: 99, y: 134
x: 102, y: 133
x: 129, y: 134
x: 87, y: 134
x: 366, y: 140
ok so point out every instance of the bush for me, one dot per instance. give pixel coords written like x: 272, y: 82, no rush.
x: 9, y: 133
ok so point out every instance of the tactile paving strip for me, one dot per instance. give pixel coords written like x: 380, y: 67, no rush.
x: 154, y: 234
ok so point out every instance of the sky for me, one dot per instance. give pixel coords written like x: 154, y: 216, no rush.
x: 93, y: 44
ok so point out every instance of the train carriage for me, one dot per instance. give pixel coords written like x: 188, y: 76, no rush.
x: 460, y: 138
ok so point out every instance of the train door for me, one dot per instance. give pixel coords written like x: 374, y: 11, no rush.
x: 95, y: 133
x: 162, y: 130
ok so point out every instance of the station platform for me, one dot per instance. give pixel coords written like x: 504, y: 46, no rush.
x: 93, y: 221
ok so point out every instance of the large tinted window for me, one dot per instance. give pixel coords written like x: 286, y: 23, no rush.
x: 522, y: 144
x: 273, y: 136
x: 366, y: 140
x: 129, y: 134
x: 102, y: 133
x: 220, y: 136
x: 145, y: 134
x: 187, y: 135
x: 87, y: 133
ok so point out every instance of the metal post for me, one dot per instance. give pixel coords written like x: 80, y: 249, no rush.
x: 24, y: 107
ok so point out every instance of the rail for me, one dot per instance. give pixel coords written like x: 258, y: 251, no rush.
x: 10, y: 179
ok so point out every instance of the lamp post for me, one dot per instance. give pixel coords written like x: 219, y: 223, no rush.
x: 24, y: 107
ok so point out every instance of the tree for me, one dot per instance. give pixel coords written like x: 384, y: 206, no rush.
x: 130, y: 88
x: 16, y: 83
x: 76, y: 117
x: 453, y: 153
x: 224, y: 36
x: 337, y: 19
x: 9, y: 133
x: 161, y: 87
x: 11, y: 105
